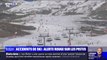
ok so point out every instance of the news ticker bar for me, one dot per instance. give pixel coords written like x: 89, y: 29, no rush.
x: 47, y: 52
x: 52, y: 52
x: 45, y: 48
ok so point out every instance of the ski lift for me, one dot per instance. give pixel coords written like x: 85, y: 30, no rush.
x: 64, y: 36
x: 71, y: 32
x: 39, y: 39
x: 49, y: 40
x: 57, y: 38
x: 44, y: 35
x: 40, y: 44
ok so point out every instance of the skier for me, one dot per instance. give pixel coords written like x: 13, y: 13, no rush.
x: 69, y: 42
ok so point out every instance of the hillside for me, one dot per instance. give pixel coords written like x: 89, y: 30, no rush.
x: 62, y: 23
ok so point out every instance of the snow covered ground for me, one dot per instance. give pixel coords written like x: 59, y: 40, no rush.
x: 53, y: 30
x: 55, y: 26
